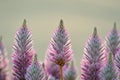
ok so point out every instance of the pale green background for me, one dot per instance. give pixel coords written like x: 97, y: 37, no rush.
x: 43, y: 16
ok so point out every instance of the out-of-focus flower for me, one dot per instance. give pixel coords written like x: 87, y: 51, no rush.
x: 93, y: 58
x: 51, y: 78
x: 71, y: 72
x: 35, y: 71
x: 3, y: 62
x: 23, y: 52
x: 108, y: 72
x: 52, y: 69
x: 113, y: 41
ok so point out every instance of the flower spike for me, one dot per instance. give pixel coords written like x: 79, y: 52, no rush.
x: 113, y: 41
x: 23, y: 52
x: 93, y: 58
x: 60, y: 51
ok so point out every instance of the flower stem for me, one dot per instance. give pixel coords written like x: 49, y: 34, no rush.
x: 61, y: 73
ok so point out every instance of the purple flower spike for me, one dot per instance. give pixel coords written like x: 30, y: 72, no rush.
x: 108, y: 72
x: 71, y: 72
x: 23, y: 52
x: 113, y: 41
x: 35, y: 71
x: 93, y: 57
x: 3, y: 62
x: 60, y: 51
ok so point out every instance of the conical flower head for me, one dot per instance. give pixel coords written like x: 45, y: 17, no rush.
x: 93, y: 57
x: 23, y: 52
x: 71, y: 72
x: 108, y: 72
x: 3, y: 62
x: 113, y: 41
x: 35, y: 71
x: 60, y: 51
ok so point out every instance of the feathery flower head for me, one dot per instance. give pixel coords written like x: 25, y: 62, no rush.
x: 108, y: 72
x: 3, y: 62
x: 60, y: 51
x: 93, y: 57
x: 23, y: 52
x: 35, y: 71
x: 113, y: 41
x: 71, y: 73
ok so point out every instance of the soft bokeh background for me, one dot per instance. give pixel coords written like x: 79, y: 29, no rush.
x: 43, y: 16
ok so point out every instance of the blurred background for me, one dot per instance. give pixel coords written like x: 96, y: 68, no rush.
x: 43, y: 16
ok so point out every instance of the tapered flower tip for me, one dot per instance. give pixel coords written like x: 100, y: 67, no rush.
x: 95, y: 32
x: 35, y: 59
x: 61, y: 24
x: 110, y: 58
x: 114, y: 27
x: 0, y: 38
x: 24, y: 23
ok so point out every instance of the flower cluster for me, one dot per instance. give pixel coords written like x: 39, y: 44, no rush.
x: 100, y: 61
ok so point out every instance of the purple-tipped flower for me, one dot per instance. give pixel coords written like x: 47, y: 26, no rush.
x: 71, y: 72
x: 3, y: 62
x: 93, y: 57
x: 60, y: 51
x: 112, y: 41
x: 35, y: 71
x: 23, y: 52
x: 108, y: 72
